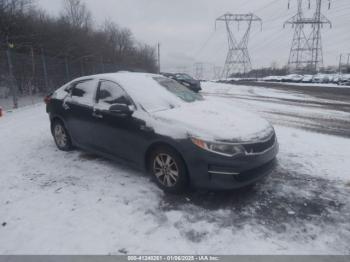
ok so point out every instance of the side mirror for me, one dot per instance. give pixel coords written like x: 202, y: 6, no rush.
x: 121, y: 110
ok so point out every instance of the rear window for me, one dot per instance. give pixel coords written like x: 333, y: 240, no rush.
x: 178, y: 90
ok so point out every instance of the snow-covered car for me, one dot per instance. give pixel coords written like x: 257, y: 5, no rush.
x: 321, y: 79
x: 307, y: 79
x: 155, y: 123
x: 272, y: 79
x: 294, y: 78
x: 344, y: 80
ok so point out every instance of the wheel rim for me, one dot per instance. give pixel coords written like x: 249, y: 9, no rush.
x: 166, y: 170
x: 60, y: 136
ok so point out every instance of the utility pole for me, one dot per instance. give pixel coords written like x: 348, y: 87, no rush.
x: 12, y: 81
x: 31, y: 83
x: 342, y: 65
x: 306, y: 51
x: 158, y: 47
x: 46, y: 79
x: 238, y: 59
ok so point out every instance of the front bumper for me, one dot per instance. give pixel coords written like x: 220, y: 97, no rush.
x: 211, y: 171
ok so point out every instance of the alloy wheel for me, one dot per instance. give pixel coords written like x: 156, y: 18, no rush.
x: 60, y: 136
x: 166, y: 170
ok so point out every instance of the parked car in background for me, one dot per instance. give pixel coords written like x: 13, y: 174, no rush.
x: 307, y: 79
x: 272, y: 79
x: 321, y: 79
x: 186, y: 80
x: 344, y: 80
x: 156, y: 124
x: 293, y: 78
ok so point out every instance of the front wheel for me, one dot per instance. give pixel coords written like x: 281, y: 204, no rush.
x: 168, y: 170
x: 61, y: 136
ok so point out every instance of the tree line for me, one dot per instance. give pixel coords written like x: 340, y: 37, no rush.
x: 71, y: 35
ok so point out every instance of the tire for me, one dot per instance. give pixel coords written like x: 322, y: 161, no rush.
x: 61, y: 136
x: 168, y: 170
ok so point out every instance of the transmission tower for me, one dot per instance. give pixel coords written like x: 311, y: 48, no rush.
x: 306, y: 51
x: 198, y: 70
x: 238, y: 59
x: 217, y: 70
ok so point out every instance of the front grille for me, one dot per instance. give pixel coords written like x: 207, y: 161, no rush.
x: 259, y: 147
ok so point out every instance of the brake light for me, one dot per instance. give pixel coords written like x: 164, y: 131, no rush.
x: 47, y: 99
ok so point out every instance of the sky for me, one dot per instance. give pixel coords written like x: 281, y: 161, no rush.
x: 186, y: 32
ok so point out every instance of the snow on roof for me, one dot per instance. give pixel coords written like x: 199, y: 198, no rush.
x: 143, y: 89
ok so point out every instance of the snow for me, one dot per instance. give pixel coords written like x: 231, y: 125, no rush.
x: 315, y: 154
x: 145, y: 90
x: 55, y: 202
x: 216, y: 121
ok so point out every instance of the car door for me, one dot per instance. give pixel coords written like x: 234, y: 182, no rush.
x: 79, y: 109
x: 119, y: 135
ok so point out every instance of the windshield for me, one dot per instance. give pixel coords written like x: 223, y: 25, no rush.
x: 178, y: 90
x: 184, y: 77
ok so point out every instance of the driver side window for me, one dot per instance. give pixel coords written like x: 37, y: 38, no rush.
x: 110, y: 93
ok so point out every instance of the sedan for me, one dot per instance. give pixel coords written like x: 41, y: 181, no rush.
x: 186, y: 80
x: 154, y: 123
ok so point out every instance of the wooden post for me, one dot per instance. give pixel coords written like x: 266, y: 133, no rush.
x: 46, y: 79
x: 12, y: 81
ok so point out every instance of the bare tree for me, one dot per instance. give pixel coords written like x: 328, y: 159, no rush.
x: 77, y: 14
x: 14, y: 6
x: 119, y: 39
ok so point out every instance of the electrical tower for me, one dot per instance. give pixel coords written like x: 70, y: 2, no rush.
x: 198, y: 70
x: 238, y: 59
x: 217, y: 70
x: 306, y: 51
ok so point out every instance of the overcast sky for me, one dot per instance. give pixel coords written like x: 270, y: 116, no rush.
x: 185, y: 28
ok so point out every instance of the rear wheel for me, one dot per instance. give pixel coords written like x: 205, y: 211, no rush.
x: 61, y: 136
x: 168, y: 170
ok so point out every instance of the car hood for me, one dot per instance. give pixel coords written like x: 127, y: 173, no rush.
x: 215, y: 121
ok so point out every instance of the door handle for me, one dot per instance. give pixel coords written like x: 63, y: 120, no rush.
x: 97, y: 115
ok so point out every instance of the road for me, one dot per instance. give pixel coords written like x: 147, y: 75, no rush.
x: 316, y: 108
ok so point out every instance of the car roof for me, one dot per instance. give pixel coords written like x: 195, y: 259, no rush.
x: 117, y: 76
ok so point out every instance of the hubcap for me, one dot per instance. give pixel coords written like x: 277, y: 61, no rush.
x: 60, y: 136
x: 166, y: 170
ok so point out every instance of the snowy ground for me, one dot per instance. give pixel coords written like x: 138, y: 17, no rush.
x: 53, y: 202
x: 7, y: 103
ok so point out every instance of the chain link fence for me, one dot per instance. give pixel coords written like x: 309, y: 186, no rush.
x: 25, y: 78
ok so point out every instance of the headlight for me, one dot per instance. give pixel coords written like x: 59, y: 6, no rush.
x: 229, y: 150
